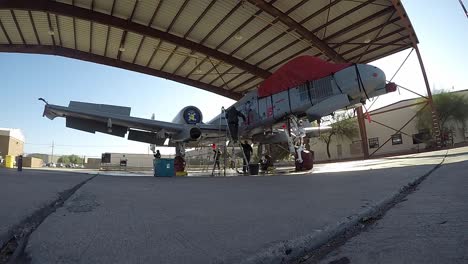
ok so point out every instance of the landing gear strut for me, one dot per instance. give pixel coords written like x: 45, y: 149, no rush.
x: 304, y: 158
x: 179, y: 160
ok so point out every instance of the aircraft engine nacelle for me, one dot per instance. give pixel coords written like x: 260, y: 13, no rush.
x: 188, y: 134
x: 190, y: 115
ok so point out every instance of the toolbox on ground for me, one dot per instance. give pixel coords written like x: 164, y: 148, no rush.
x: 164, y: 168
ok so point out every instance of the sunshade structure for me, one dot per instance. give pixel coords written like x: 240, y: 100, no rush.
x: 224, y: 46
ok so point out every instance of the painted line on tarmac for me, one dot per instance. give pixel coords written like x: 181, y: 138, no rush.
x: 310, y: 248
x: 17, y: 237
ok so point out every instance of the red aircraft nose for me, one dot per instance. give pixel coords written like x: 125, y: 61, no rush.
x: 390, y: 87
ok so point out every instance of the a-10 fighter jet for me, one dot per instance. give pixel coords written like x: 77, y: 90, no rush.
x: 305, y: 87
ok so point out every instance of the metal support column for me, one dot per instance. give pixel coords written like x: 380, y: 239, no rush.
x: 412, y: 35
x: 363, y: 132
x: 435, y: 117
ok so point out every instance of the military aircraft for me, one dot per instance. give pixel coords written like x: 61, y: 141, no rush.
x: 305, y: 87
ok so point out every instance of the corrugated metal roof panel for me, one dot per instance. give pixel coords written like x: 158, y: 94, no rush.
x: 42, y: 26
x: 3, y: 38
x: 144, y: 11
x: 188, y: 16
x: 131, y: 45
x: 173, y: 62
x: 64, y: 1
x: 82, y: 34
x: 115, y: 35
x: 25, y: 26
x: 10, y: 27
x: 217, y: 12
x: 166, y: 14
x: 123, y: 8
x: 66, y: 31
x: 264, y: 41
x: 83, y: 3
x: 56, y: 32
x: 99, y: 38
x: 161, y: 55
x: 147, y: 49
x: 103, y: 6
x: 250, y: 85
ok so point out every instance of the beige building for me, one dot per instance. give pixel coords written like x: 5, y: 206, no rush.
x: 383, y: 136
x: 11, y: 142
x: 137, y: 161
x: 92, y: 163
x: 46, y: 158
x: 31, y: 162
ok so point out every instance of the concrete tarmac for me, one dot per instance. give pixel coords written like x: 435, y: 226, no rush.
x: 23, y: 193
x: 430, y: 226
x: 212, y: 220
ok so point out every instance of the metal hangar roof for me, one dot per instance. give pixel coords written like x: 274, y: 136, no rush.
x: 224, y: 46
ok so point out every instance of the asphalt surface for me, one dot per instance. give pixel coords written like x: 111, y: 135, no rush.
x: 430, y: 226
x: 211, y: 220
x: 23, y: 193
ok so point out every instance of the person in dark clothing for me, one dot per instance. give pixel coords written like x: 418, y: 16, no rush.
x: 247, y: 152
x: 232, y: 116
x: 157, y: 155
x: 216, y: 156
x: 19, y: 163
x: 267, y: 162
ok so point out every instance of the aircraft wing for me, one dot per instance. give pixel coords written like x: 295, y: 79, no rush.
x: 116, y: 120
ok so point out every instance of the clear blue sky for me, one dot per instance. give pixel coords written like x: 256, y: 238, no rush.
x: 441, y: 27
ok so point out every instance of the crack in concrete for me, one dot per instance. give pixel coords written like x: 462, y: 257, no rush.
x: 364, y: 223
x: 13, y: 250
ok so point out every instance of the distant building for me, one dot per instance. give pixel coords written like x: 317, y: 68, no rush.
x: 46, y: 158
x: 31, y: 162
x: 382, y: 135
x: 11, y: 142
x: 137, y: 161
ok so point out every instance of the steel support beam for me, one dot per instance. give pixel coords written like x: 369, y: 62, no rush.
x: 363, y: 132
x: 105, y: 19
x: 412, y: 35
x: 80, y: 55
x: 306, y: 34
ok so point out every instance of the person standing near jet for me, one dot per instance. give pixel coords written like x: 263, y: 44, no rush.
x: 247, y: 152
x: 232, y: 116
x: 216, y: 156
x: 157, y: 155
x: 19, y: 163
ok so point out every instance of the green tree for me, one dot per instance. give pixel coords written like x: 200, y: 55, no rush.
x: 63, y: 159
x: 66, y: 159
x: 449, y: 107
x: 343, y: 127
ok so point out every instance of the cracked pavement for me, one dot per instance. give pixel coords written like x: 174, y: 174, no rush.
x: 197, y: 220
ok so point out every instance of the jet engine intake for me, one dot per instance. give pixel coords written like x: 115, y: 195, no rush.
x: 190, y: 115
x: 188, y: 134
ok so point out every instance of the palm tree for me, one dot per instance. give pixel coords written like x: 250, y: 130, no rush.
x: 344, y: 126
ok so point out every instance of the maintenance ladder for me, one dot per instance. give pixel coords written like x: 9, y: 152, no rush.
x: 228, y: 138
